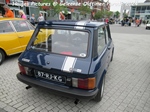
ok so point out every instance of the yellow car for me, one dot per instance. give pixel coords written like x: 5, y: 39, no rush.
x: 15, y: 33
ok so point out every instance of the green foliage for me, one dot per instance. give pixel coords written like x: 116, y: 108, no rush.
x: 84, y: 9
x: 56, y: 7
x: 108, y: 14
x: 125, y: 15
x: 117, y: 14
x: 103, y: 14
x: 59, y: 8
x: 98, y: 15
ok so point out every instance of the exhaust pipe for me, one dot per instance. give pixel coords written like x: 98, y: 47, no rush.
x: 76, y: 101
x: 28, y: 87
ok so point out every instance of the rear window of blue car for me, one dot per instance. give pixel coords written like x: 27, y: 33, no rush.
x: 65, y: 42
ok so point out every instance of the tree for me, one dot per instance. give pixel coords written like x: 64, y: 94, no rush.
x: 98, y: 15
x: 59, y: 8
x: 84, y: 9
x: 108, y: 13
x: 125, y: 15
x: 55, y: 6
x: 117, y: 14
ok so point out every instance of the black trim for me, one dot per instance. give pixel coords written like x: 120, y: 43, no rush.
x: 56, y: 89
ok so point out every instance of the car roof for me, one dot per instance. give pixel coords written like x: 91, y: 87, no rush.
x: 6, y: 19
x: 83, y: 23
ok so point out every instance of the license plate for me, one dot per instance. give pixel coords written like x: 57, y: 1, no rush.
x: 50, y: 76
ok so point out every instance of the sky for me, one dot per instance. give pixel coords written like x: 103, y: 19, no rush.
x: 115, y: 5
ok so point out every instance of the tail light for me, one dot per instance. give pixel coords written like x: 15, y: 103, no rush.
x: 88, y: 83
x: 23, y: 69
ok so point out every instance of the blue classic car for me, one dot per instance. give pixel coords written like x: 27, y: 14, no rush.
x: 70, y: 58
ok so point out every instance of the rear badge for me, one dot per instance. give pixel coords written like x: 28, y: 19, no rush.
x: 26, y: 60
x: 75, y: 70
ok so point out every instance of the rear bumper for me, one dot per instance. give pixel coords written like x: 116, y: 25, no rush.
x: 57, y: 89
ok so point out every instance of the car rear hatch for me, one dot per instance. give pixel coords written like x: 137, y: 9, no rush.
x: 54, y: 68
x: 57, y: 62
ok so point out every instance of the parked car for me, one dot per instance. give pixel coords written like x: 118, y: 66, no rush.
x: 71, y: 61
x: 148, y: 25
x: 15, y: 34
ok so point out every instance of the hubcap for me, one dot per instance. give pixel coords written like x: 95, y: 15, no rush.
x: 0, y: 57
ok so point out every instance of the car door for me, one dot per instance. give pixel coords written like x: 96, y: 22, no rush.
x: 9, y: 39
x: 24, y: 32
x: 102, y: 48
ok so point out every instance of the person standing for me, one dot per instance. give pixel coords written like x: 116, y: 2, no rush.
x: 106, y: 20
x: 22, y: 14
x: 8, y: 12
x: 61, y: 16
x: 140, y: 21
x: 130, y: 21
x: 40, y: 18
x: 137, y: 22
x: 32, y: 20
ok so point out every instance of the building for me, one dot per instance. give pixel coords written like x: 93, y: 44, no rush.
x: 94, y: 5
x: 124, y: 8
x: 73, y: 13
x: 102, y: 6
x: 16, y: 5
x: 141, y: 10
x: 73, y: 6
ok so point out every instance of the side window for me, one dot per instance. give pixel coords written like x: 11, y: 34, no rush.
x: 20, y: 26
x: 101, y: 39
x: 5, y: 27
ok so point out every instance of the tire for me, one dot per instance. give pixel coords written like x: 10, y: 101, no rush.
x: 100, y: 93
x: 2, y: 56
x: 112, y: 56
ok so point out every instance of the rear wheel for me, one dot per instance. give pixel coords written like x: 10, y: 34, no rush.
x: 2, y: 56
x: 100, y: 93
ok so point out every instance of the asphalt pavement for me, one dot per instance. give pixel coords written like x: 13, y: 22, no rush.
x: 133, y: 29
x: 127, y: 87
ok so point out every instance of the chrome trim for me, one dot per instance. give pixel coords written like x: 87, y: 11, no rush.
x: 12, y: 26
x: 0, y: 57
